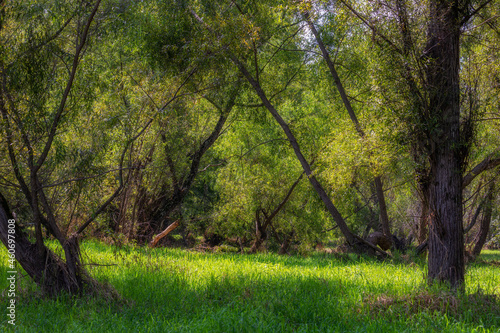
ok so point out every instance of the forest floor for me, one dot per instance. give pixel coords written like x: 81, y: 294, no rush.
x: 176, y: 290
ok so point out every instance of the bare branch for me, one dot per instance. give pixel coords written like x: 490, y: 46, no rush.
x: 486, y: 164
x: 165, y: 232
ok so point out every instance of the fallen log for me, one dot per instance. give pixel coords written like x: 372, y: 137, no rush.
x: 165, y: 232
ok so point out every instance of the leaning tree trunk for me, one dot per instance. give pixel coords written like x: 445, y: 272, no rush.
x: 41, y: 264
x: 354, y: 241
x: 446, y: 243
x: 377, y: 182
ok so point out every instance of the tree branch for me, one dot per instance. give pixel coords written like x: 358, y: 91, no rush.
x: 336, y: 78
x: 69, y: 85
x: 474, y: 12
x: 372, y: 27
x: 486, y: 164
x: 283, y: 202
x: 84, y: 178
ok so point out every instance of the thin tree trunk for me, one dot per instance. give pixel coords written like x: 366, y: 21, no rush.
x: 260, y: 232
x: 485, y: 223
x: 384, y: 218
x: 298, y: 152
x: 379, y: 191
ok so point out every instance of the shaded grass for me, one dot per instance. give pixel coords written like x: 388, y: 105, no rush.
x: 475, y: 305
x: 173, y: 290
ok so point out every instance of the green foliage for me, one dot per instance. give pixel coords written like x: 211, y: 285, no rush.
x: 164, y: 70
x: 260, y: 171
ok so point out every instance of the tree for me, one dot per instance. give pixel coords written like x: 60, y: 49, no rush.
x: 33, y: 64
x: 184, y: 132
x: 441, y: 128
x: 377, y: 182
x: 238, y: 58
x: 445, y: 146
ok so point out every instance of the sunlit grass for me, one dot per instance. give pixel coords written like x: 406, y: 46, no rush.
x: 173, y: 290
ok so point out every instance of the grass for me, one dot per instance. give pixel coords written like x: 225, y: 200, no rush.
x: 174, y: 290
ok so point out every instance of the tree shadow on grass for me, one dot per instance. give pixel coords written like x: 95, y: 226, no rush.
x: 163, y: 296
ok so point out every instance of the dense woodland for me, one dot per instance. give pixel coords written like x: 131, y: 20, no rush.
x: 267, y: 125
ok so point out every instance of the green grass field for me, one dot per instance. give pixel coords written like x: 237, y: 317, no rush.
x: 173, y: 290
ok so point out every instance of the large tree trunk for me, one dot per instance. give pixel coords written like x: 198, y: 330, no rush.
x: 446, y: 244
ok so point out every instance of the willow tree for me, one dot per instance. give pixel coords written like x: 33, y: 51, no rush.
x: 422, y: 46
x: 39, y: 73
x: 250, y: 36
x: 182, y: 134
x: 58, y: 142
x: 346, y: 101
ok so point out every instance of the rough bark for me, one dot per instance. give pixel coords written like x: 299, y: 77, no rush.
x: 446, y: 243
